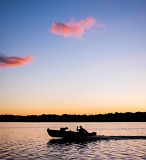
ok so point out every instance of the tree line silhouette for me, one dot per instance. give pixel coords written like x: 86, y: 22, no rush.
x: 110, y: 117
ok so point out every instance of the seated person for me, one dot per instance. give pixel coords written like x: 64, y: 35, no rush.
x: 63, y: 129
x: 81, y: 130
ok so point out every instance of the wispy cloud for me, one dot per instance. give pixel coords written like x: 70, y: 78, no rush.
x: 14, y: 61
x: 100, y: 25
x: 73, y: 28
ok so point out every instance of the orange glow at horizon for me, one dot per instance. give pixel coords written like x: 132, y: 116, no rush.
x: 90, y: 110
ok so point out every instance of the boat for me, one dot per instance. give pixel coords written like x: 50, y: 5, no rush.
x: 72, y: 136
x: 69, y: 134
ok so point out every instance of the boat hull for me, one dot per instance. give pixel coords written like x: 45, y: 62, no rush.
x: 68, y: 134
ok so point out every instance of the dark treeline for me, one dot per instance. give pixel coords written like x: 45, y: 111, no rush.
x: 110, y: 117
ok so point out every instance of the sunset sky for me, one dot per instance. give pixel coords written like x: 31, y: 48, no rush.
x: 72, y: 56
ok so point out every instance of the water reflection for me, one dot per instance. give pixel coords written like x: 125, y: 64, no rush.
x: 66, y: 141
x: 30, y: 141
x: 65, y: 149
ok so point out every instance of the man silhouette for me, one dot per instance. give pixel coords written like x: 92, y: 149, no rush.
x: 81, y: 130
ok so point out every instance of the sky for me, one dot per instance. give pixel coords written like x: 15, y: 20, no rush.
x: 72, y: 57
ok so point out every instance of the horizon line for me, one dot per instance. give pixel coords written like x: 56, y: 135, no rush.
x: 73, y: 114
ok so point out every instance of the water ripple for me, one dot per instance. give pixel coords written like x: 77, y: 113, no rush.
x: 34, y: 143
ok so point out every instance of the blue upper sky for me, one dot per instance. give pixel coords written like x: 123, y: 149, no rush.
x: 103, y: 71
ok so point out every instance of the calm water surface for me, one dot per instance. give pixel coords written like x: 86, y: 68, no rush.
x: 31, y: 141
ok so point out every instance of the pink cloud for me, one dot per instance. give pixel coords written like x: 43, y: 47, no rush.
x: 73, y: 28
x: 14, y: 61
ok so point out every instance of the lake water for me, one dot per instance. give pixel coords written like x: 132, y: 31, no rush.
x: 31, y: 141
